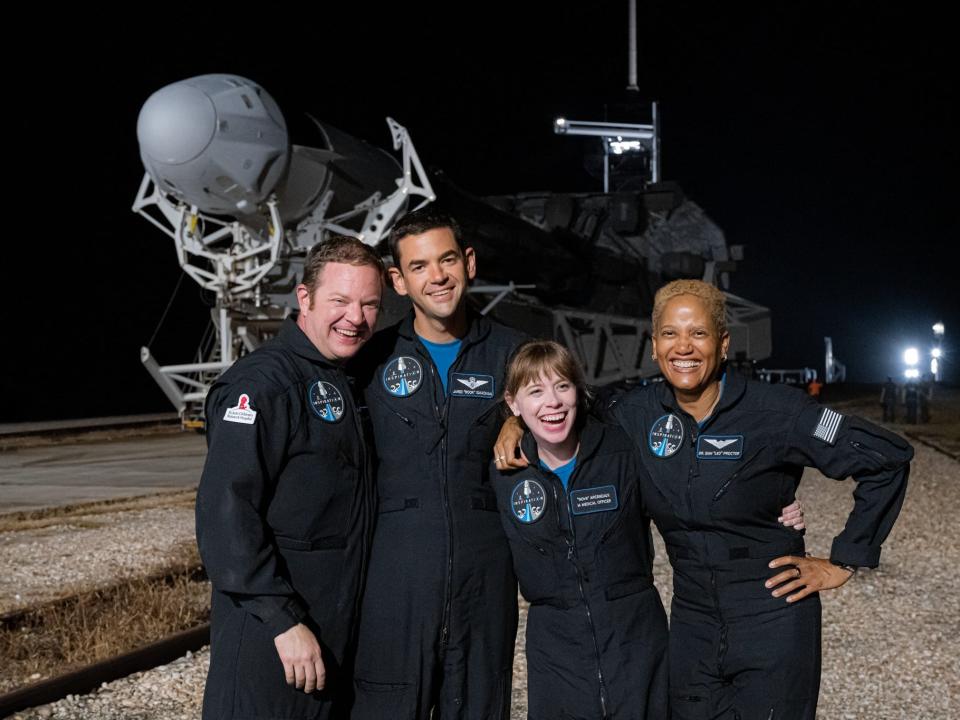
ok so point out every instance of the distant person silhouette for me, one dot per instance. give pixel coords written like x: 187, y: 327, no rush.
x: 911, y: 400
x: 888, y: 400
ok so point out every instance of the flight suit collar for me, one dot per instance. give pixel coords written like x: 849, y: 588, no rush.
x: 591, y: 433
x: 293, y: 337
x: 478, y: 327
x: 734, y: 385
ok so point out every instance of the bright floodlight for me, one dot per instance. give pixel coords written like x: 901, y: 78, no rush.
x: 620, y: 146
x: 911, y: 373
x: 936, y: 352
x: 911, y: 356
x: 934, y: 366
x: 938, y: 328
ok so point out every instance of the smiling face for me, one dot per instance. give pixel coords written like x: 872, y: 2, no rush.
x: 687, y: 345
x: 434, y: 272
x: 340, y: 314
x: 548, y: 407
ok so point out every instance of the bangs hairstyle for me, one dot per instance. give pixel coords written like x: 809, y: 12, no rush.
x: 339, y: 249
x: 541, y: 357
x: 711, y: 296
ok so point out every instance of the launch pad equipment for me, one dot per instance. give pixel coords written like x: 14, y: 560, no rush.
x: 243, y: 206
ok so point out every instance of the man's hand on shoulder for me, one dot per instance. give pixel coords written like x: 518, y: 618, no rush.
x: 299, y: 652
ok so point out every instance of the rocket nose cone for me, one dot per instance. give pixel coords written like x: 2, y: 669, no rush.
x: 176, y: 123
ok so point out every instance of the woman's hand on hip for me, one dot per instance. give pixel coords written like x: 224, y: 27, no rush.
x: 804, y: 575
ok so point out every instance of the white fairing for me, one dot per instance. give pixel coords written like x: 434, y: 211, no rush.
x: 218, y: 142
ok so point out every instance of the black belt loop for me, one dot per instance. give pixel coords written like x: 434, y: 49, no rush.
x: 765, y: 551
x: 758, y: 551
x: 389, y: 505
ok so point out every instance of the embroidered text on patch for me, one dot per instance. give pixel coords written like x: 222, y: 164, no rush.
x: 827, y: 426
x: 595, y: 499
x: 528, y: 501
x: 402, y: 376
x: 720, y: 447
x: 242, y: 413
x: 473, y: 385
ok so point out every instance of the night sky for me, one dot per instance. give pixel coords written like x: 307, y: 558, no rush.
x: 823, y: 140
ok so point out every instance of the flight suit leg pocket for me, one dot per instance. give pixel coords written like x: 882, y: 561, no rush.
x: 382, y: 700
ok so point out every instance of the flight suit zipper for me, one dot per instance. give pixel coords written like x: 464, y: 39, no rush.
x: 574, y: 558
x: 723, y: 488
x: 442, y: 416
x: 694, y: 470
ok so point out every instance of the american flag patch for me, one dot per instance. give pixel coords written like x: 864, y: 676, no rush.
x: 827, y: 426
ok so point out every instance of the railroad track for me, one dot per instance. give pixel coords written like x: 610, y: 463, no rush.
x: 88, y: 678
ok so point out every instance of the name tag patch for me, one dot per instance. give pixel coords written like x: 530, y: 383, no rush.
x: 720, y: 447
x: 591, y: 500
x: 472, y: 385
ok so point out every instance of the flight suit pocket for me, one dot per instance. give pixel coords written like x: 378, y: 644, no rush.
x: 689, y: 704
x: 537, y: 572
x: 382, y: 700
x: 618, y: 590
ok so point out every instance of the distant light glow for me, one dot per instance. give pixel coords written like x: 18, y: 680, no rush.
x: 560, y: 121
x: 938, y: 328
x: 911, y: 373
x: 936, y: 353
x: 620, y: 146
x: 934, y: 366
x: 911, y: 356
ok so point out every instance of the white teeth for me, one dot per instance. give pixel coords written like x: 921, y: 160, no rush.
x: 347, y: 333
x: 553, y: 418
x: 686, y: 363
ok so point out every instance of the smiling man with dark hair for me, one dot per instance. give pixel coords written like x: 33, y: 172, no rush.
x: 439, y: 612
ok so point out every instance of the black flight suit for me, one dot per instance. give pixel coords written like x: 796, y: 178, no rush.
x: 284, y: 522
x: 596, y: 629
x: 715, y: 493
x: 439, y: 612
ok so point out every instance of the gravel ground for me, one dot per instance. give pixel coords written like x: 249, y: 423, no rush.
x: 890, y: 649
x: 89, y: 551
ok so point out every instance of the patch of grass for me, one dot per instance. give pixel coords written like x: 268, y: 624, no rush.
x: 94, y: 625
x: 68, y: 514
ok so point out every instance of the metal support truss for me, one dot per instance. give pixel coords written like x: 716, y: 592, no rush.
x: 379, y: 213
x: 610, y: 348
x: 228, y: 258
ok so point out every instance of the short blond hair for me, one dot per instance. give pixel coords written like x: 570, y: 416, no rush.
x: 712, y: 297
